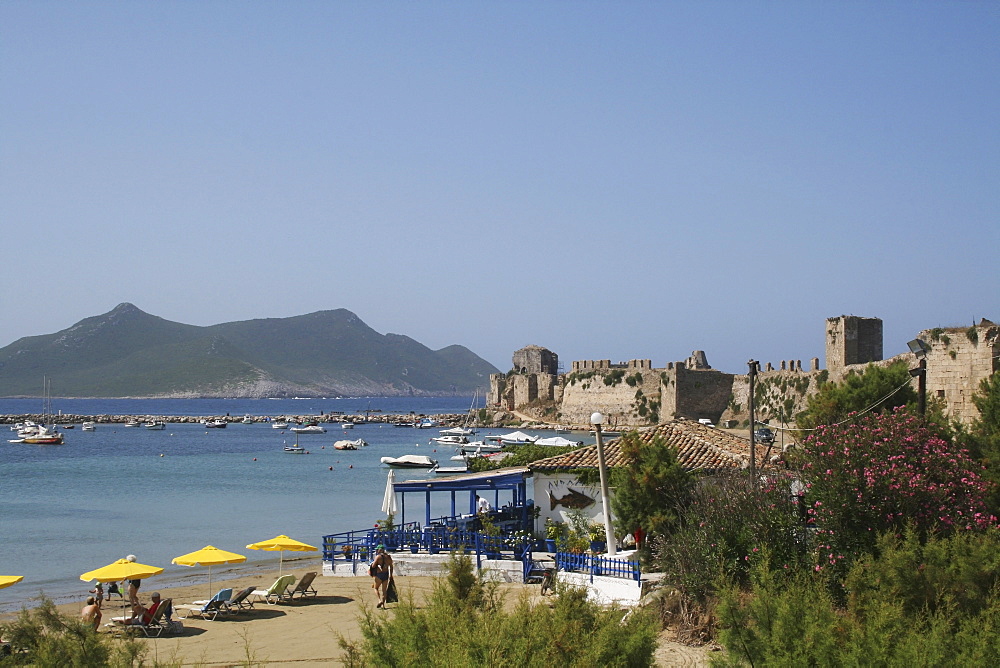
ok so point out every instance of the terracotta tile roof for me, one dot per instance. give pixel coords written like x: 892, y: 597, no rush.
x: 698, y: 446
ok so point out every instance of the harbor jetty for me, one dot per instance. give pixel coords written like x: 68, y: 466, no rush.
x: 400, y: 419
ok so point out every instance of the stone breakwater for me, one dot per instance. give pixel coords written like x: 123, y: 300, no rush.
x: 444, y: 420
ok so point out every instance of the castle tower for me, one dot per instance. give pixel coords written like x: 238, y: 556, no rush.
x: 535, y: 359
x: 851, y: 339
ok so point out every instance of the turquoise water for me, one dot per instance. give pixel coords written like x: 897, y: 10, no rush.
x: 68, y: 509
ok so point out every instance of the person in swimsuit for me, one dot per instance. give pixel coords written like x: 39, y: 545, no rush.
x: 383, y: 573
x: 91, y: 613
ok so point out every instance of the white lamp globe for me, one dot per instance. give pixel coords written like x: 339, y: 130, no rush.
x: 596, y: 418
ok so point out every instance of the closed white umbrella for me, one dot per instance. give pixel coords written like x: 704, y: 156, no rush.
x: 389, y: 500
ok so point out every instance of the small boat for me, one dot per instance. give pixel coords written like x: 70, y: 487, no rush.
x: 296, y: 449
x: 247, y: 419
x: 132, y: 423
x: 450, y: 440
x: 45, y: 436
x: 347, y: 425
x: 446, y: 470
x: 309, y: 428
x: 425, y: 423
x: 155, y: 424
x: 562, y: 430
x: 68, y: 426
x: 482, y: 446
x: 410, y: 462
x: 457, y: 431
x: 88, y: 426
x: 349, y: 445
x: 515, y: 438
x: 279, y: 424
x: 216, y: 424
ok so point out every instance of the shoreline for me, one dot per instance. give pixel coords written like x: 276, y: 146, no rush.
x: 304, y: 632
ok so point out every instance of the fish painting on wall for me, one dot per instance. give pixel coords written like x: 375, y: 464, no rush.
x: 572, y: 499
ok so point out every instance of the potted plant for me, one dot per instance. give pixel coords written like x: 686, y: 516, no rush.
x: 598, y: 538
x: 491, y: 537
x: 347, y: 550
x: 553, y: 532
x: 414, y: 540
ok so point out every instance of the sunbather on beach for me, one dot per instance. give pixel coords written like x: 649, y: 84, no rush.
x: 141, y: 616
x: 91, y: 613
x: 383, y: 573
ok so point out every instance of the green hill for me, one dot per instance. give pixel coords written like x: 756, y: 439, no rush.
x: 130, y: 353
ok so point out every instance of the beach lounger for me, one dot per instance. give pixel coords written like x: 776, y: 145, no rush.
x: 304, y: 587
x: 157, y: 624
x: 242, y: 600
x: 211, y: 608
x: 276, y: 592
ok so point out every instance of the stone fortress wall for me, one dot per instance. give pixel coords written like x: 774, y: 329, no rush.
x: 634, y: 393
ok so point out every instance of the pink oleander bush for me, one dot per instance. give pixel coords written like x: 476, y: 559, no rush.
x: 883, y: 472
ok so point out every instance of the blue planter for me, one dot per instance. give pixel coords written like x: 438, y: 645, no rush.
x: 550, y: 545
x: 598, y: 546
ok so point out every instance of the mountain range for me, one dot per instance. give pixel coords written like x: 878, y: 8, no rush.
x: 130, y: 353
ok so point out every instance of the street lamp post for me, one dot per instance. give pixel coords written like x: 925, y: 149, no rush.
x: 597, y: 420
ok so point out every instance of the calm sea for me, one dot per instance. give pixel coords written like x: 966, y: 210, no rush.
x: 68, y: 509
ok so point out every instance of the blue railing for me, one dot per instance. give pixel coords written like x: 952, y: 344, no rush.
x: 358, y: 547
x: 598, y: 565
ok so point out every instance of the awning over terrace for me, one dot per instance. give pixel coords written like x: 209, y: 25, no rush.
x: 488, y: 484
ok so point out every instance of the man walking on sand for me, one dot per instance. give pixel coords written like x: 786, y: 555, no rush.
x: 382, y: 572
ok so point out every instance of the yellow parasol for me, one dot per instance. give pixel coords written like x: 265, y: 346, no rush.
x: 123, y: 569
x: 8, y: 580
x: 209, y: 556
x: 280, y: 544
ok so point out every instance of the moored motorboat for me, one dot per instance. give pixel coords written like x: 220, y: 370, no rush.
x: 450, y: 440
x: 216, y: 424
x: 247, y: 419
x: 425, y: 423
x: 349, y: 445
x: 446, y: 470
x: 515, y: 438
x: 155, y: 424
x: 133, y: 423
x: 410, y: 462
x: 309, y: 429
x: 347, y: 424
x: 279, y: 424
x: 88, y: 426
x: 457, y: 431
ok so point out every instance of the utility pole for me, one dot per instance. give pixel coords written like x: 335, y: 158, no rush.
x: 754, y: 367
x: 922, y: 387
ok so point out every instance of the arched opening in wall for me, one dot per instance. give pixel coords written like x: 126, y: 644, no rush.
x: 524, y: 369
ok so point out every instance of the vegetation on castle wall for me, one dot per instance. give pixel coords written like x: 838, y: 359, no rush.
x: 973, y: 335
x: 614, y: 377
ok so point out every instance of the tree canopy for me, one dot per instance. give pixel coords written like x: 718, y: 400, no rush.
x: 651, y: 488
x: 879, y: 388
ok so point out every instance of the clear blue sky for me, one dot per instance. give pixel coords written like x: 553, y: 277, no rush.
x: 605, y: 179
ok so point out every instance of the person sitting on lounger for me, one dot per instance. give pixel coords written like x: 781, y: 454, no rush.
x: 141, y: 616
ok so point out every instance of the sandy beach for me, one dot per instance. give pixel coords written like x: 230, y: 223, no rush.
x: 303, y: 632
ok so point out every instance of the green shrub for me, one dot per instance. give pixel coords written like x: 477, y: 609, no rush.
x: 43, y: 637
x: 908, y: 606
x: 728, y: 526
x: 464, y: 624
